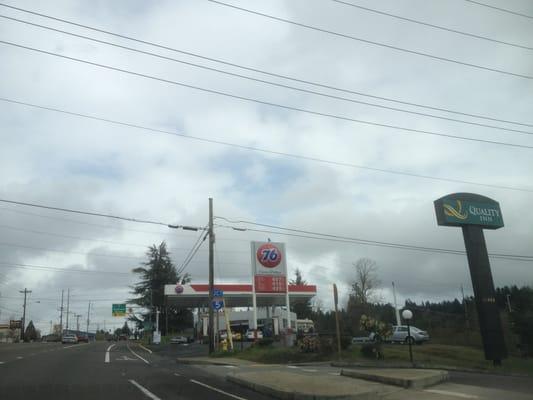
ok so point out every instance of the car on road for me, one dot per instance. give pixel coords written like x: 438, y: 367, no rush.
x: 400, y: 334
x: 251, y: 336
x: 69, y: 338
x: 179, y: 340
x: 83, y: 338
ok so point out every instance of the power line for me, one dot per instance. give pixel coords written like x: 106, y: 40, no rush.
x: 257, y: 70
x: 443, y: 28
x: 192, y: 254
x: 56, y: 269
x: 276, y: 84
x: 277, y: 105
x: 265, y: 151
x: 500, y: 9
x: 95, y: 214
x: 371, y: 42
x: 191, y: 250
x: 338, y: 238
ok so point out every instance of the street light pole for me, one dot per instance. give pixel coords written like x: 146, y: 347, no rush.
x: 407, y: 315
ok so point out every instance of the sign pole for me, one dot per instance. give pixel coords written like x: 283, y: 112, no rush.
x: 473, y: 213
x: 254, y: 297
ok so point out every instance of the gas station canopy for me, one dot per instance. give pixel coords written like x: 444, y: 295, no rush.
x: 235, y: 295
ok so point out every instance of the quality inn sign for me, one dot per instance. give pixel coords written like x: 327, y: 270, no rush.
x: 460, y: 209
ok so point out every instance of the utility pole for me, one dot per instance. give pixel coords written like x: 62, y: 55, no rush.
x: 467, y: 320
x: 61, y: 313
x: 397, y: 312
x: 68, y: 305
x: 508, y: 297
x: 88, y: 313
x: 210, y: 329
x: 78, y: 322
x: 25, y: 291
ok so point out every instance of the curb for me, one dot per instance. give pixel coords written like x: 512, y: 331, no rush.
x: 407, y: 383
x: 426, y: 366
x: 200, y: 362
x: 293, y: 395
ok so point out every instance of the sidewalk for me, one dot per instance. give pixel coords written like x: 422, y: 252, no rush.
x: 214, y: 361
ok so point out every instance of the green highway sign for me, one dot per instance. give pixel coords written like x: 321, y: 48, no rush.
x: 461, y: 209
x: 118, y: 310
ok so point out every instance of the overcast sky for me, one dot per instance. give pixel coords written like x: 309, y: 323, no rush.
x: 67, y: 161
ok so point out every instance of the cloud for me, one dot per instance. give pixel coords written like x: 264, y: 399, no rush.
x: 71, y: 162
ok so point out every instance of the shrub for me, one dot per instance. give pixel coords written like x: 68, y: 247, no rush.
x: 265, y: 342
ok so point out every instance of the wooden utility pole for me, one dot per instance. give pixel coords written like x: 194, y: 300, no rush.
x: 88, y: 314
x: 336, y: 301
x: 68, y: 305
x: 210, y: 329
x: 61, y: 313
x: 25, y: 291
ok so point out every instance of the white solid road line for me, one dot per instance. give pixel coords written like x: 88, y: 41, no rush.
x: 217, y: 390
x: 136, y: 355
x: 176, y: 374
x: 1, y: 362
x: 19, y: 358
x: 309, y: 370
x: 107, y: 353
x: 144, y: 390
x: 448, y: 393
x: 292, y: 366
x: 142, y: 347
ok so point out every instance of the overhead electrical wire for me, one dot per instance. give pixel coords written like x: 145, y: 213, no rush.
x: 371, y: 42
x: 500, y: 9
x: 443, y: 28
x: 257, y: 70
x: 192, y: 252
x: 319, y: 235
x: 6, y: 264
x: 265, y: 151
x: 277, y: 105
x: 95, y: 214
x: 276, y: 84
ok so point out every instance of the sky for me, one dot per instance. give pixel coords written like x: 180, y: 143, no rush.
x: 64, y: 160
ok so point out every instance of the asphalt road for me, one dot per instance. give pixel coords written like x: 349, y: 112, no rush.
x: 96, y: 371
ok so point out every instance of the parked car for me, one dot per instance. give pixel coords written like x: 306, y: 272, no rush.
x: 236, y: 336
x: 69, y: 338
x: 83, y: 338
x: 400, y: 335
x: 251, y: 336
x: 179, y: 340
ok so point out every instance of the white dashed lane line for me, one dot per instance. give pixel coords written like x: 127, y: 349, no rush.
x: 309, y: 370
x: 448, y: 393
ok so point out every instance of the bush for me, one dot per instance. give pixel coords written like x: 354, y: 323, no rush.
x: 372, y: 350
x: 265, y: 342
x: 346, y: 341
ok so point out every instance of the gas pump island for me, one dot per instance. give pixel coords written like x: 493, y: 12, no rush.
x: 473, y: 213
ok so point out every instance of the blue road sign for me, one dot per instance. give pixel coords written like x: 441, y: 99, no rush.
x: 218, y: 304
x: 218, y: 293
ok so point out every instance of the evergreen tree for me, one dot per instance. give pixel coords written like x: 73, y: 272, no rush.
x: 154, y: 274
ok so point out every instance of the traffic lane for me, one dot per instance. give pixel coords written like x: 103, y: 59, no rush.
x: 510, y: 383
x: 10, y: 351
x: 164, y: 378
x: 73, y: 372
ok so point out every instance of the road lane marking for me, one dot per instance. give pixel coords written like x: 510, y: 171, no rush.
x: 217, y: 390
x: 230, y: 366
x: 176, y: 374
x: 106, y: 360
x: 292, y: 366
x: 448, y: 393
x: 144, y: 390
x: 148, y: 350
x: 19, y: 358
x: 334, y: 373
x: 135, y: 354
x: 1, y: 362
x: 309, y: 370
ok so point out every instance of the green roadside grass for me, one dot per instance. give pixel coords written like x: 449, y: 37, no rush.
x: 428, y: 355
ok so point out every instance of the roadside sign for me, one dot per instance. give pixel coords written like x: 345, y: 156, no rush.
x: 118, y: 310
x: 218, y: 293
x: 218, y: 304
x: 156, y: 337
x: 15, y: 324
